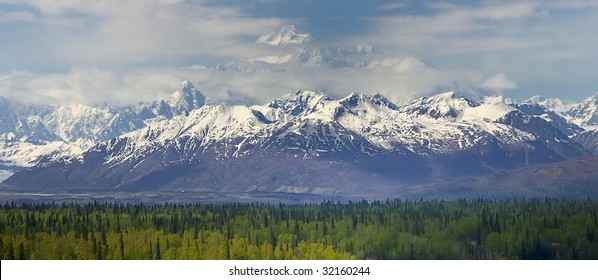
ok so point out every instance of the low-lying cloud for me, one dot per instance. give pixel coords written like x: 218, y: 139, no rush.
x: 399, y: 79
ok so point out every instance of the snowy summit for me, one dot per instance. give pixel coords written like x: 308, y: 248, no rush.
x: 285, y: 35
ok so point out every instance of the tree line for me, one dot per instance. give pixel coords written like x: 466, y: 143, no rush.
x: 392, y: 229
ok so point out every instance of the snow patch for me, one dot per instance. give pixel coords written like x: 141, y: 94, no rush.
x: 4, y: 174
x: 492, y: 109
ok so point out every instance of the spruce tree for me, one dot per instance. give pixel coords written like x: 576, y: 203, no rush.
x: 158, y: 255
x: 21, y: 255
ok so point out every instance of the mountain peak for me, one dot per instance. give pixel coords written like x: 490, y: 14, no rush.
x: 186, y: 86
x: 283, y: 36
x: 299, y: 102
x: 592, y: 99
x: 449, y: 104
x: 304, y: 96
x: 186, y: 98
x: 355, y: 99
x: 585, y: 114
x: 551, y: 104
x: 455, y: 96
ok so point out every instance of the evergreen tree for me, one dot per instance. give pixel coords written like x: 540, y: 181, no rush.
x: 158, y: 255
x: 11, y: 252
x: 122, y: 247
x: 21, y: 255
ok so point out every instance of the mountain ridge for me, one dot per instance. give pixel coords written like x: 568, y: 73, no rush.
x: 586, y: 113
x: 298, y: 140
x: 38, y: 130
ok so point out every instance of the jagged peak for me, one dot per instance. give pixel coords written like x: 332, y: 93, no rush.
x: 186, y: 98
x: 592, y: 99
x: 300, y: 101
x: 304, y: 96
x: 186, y: 85
x: 453, y: 104
x: 285, y: 35
x: 585, y: 114
x: 289, y: 28
x: 588, y: 104
x: 186, y: 88
x: 355, y: 98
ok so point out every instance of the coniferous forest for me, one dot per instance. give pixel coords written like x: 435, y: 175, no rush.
x: 395, y: 229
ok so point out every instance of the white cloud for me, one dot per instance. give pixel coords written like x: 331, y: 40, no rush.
x: 488, y: 26
x: 454, y: 29
x: 399, y: 79
x: 113, y: 33
x: 535, y: 42
x: 89, y: 86
x: 499, y: 82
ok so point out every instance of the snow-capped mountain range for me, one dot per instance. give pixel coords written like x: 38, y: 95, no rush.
x: 578, y: 121
x: 29, y: 133
x: 303, y: 142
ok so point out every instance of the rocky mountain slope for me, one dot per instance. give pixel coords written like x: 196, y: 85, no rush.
x: 576, y: 178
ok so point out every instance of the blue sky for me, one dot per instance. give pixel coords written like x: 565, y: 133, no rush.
x: 127, y: 51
